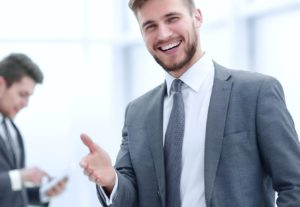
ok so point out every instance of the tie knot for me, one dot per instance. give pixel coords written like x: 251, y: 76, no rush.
x: 176, y: 85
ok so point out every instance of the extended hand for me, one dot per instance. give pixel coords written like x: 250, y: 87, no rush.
x: 97, y: 165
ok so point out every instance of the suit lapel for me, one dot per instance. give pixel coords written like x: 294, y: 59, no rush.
x: 21, y: 159
x: 155, y: 133
x: 214, y: 131
x: 215, y: 126
x: 5, y: 152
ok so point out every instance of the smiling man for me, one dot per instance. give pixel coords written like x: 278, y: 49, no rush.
x: 206, y: 137
x: 171, y: 35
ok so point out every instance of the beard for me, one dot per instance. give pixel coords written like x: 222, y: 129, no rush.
x: 189, y: 54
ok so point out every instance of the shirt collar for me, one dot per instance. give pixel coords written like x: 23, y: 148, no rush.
x: 1, y: 118
x: 195, y: 75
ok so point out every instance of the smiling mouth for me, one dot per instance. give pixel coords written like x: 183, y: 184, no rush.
x: 169, y: 46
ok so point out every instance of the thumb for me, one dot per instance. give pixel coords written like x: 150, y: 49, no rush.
x: 44, y: 173
x: 88, y: 142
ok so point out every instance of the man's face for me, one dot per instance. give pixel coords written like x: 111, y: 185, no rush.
x: 16, y: 97
x: 170, y: 33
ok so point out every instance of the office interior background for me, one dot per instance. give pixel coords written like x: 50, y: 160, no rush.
x: 94, y: 61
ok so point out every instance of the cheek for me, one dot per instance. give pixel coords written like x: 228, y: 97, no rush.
x: 182, y: 28
x: 149, y: 44
x: 15, y: 100
x: 149, y: 40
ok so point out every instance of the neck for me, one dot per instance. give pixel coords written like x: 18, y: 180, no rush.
x: 181, y: 71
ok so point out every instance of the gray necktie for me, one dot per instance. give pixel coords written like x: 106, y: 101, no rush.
x: 173, y: 147
x: 9, y: 142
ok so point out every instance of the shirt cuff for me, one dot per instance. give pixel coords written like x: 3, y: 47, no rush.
x: 109, y: 200
x: 43, y: 196
x: 15, y: 179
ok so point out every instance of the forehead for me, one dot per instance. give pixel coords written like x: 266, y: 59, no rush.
x: 26, y: 84
x: 156, y: 9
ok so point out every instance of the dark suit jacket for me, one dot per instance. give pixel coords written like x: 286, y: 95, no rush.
x: 251, y: 149
x: 9, y: 198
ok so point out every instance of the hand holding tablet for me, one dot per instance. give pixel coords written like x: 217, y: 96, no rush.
x: 56, y: 184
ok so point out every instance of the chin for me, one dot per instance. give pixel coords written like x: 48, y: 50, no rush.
x: 11, y: 116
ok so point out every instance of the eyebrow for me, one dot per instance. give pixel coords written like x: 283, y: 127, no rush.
x: 172, y: 14
x: 166, y: 16
x: 147, y: 23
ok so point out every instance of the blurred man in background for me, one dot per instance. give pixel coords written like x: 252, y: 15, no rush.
x: 18, y: 78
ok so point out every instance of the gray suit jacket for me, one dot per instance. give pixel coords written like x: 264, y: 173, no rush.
x: 9, y: 198
x: 251, y: 149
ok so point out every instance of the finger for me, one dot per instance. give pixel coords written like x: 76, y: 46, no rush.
x: 88, y: 172
x: 52, y: 192
x: 83, y: 163
x: 45, y: 174
x: 61, y: 189
x: 92, y: 179
x: 41, y: 173
x: 97, y: 181
x: 57, y: 189
x: 88, y: 142
x: 62, y: 183
x: 65, y: 180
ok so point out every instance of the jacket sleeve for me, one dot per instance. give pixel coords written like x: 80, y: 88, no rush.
x: 126, y: 194
x: 34, y: 197
x: 5, y: 186
x: 278, y: 143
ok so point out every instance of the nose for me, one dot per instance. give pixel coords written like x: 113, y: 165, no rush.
x: 24, y: 103
x: 164, y: 32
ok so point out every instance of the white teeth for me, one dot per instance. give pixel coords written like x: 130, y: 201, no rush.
x: 172, y: 45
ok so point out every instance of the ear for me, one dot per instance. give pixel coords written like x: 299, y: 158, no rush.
x: 2, y: 81
x: 198, y: 18
x: 2, y: 85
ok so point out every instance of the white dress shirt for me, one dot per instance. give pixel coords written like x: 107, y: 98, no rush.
x: 196, y: 92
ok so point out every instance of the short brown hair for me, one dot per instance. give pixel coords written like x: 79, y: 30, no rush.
x: 16, y: 65
x: 134, y: 5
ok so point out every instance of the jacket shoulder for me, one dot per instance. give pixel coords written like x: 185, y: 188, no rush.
x: 241, y: 76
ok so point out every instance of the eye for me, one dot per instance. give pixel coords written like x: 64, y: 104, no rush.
x: 172, y: 19
x: 24, y: 95
x: 150, y: 27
